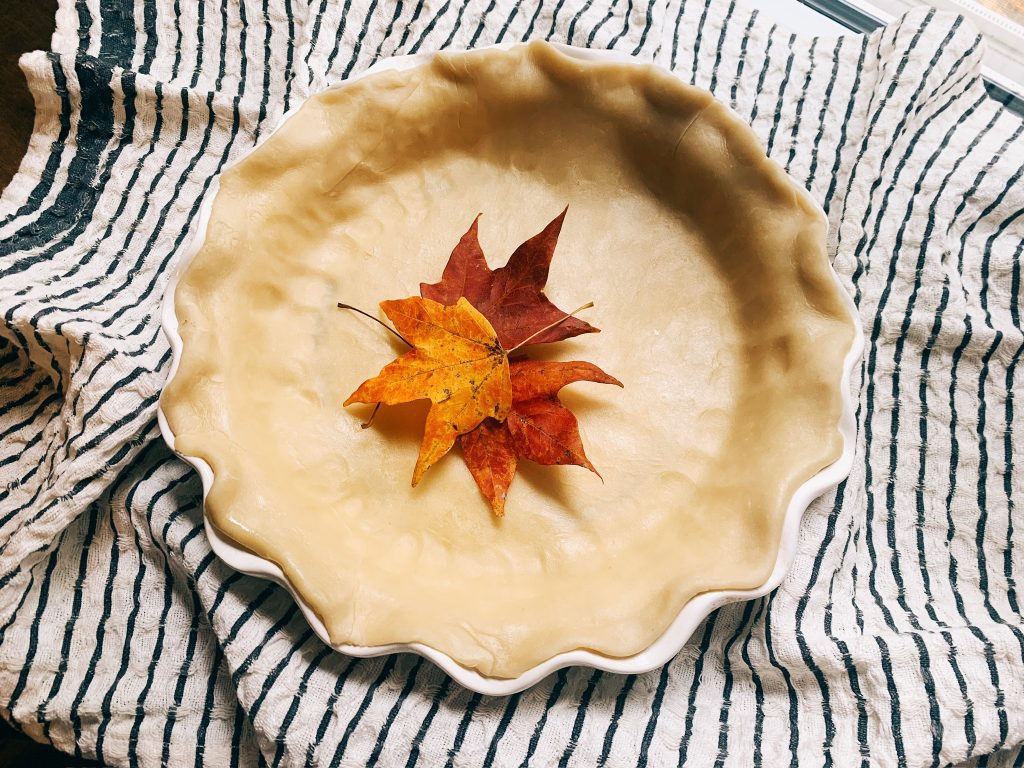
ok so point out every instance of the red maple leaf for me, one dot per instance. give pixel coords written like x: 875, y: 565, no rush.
x: 538, y: 427
x: 511, y: 297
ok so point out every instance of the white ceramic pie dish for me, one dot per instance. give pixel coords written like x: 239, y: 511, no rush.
x: 691, y: 615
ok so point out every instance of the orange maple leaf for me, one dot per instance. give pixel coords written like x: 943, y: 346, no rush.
x: 456, y: 362
x: 538, y: 427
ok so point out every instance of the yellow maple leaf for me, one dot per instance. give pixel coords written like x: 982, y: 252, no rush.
x: 456, y: 362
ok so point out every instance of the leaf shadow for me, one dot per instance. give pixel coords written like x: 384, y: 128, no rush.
x: 395, y: 424
x: 548, y: 482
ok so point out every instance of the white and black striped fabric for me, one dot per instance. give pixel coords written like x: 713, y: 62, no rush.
x: 896, y: 640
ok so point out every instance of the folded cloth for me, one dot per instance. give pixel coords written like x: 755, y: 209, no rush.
x: 896, y: 639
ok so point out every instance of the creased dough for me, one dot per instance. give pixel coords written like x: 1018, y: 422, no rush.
x: 717, y: 308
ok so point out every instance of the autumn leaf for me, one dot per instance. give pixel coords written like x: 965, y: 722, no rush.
x: 456, y: 362
x: 538, y: 427
x: 490, y: 454
x: 511, y: 297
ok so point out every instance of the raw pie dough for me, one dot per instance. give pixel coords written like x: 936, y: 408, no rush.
x: 717, y: 308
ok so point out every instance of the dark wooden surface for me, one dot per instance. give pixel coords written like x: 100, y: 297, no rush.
x: 25, y: 25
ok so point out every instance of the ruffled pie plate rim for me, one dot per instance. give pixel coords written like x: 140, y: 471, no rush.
x: 672, y: 640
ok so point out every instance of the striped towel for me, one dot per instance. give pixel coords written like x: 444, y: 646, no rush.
x: 896, y: 639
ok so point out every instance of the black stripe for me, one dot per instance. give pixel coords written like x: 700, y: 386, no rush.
x: 117, y: 24
x: 933, y: 703
x: 84, y: 26
x: 758, y: 689
x: 581, y: 715
x: 741, y: 63
x: 190, y: 649
x: 21, y: 602
x: 823, y: 113
x: 200, y: 32
x: 412, y: 21
x: 648, y: 21
x: 613, y: 725
x: 764, y: 71
x: 697, y: 39
x: 460, y: 733
x: 652, y: 720
x: 33, y: 632
x: 157, y: 652
x: 385, y: 672
x: 794, y: 707
x: 325, y: 719
x: 841, y: 144
x: 275, y: 673
x: 289, y: 66
x: 800, y: 105
x: 506, y: 717
x: 293, y: 707
x: 721, y: 44
x: 177, y: 44
x: 848, y: 664
x: 742, y: 630
x: 359, y: 40
x: 430, y: 26
x: 455, y: 27
x: 382, y: 735
x: 782, y: 89
x: 283, y: 621
x: 533, y: 19
x: 508, y: 23
x: 435, y: 704
x: 267, y: 67
x: 211, y: 683
x: 314, y: 37
x: 556, y: 691
x: 625, y: 25
x: 601, y: 23
x: 241, y: 726
x: 1015, y: 290
x: 149, y: 24
x: 895, y: 720
x: 481, y: 22
x: 390, y: 28
x: 691, y: 698
x: 572, y: 24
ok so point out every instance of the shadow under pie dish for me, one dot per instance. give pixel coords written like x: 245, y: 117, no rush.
x: 720, y: 315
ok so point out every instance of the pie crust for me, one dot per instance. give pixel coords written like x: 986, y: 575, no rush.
x: 719, y: 313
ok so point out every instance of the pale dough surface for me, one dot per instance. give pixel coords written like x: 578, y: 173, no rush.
x: 717, y: 308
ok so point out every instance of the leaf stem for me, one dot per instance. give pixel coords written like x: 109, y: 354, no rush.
x: 532, y: 336
x: 378, y: 321
x: 366, y: 424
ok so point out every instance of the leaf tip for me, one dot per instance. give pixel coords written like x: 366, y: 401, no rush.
x: 498, y: 506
